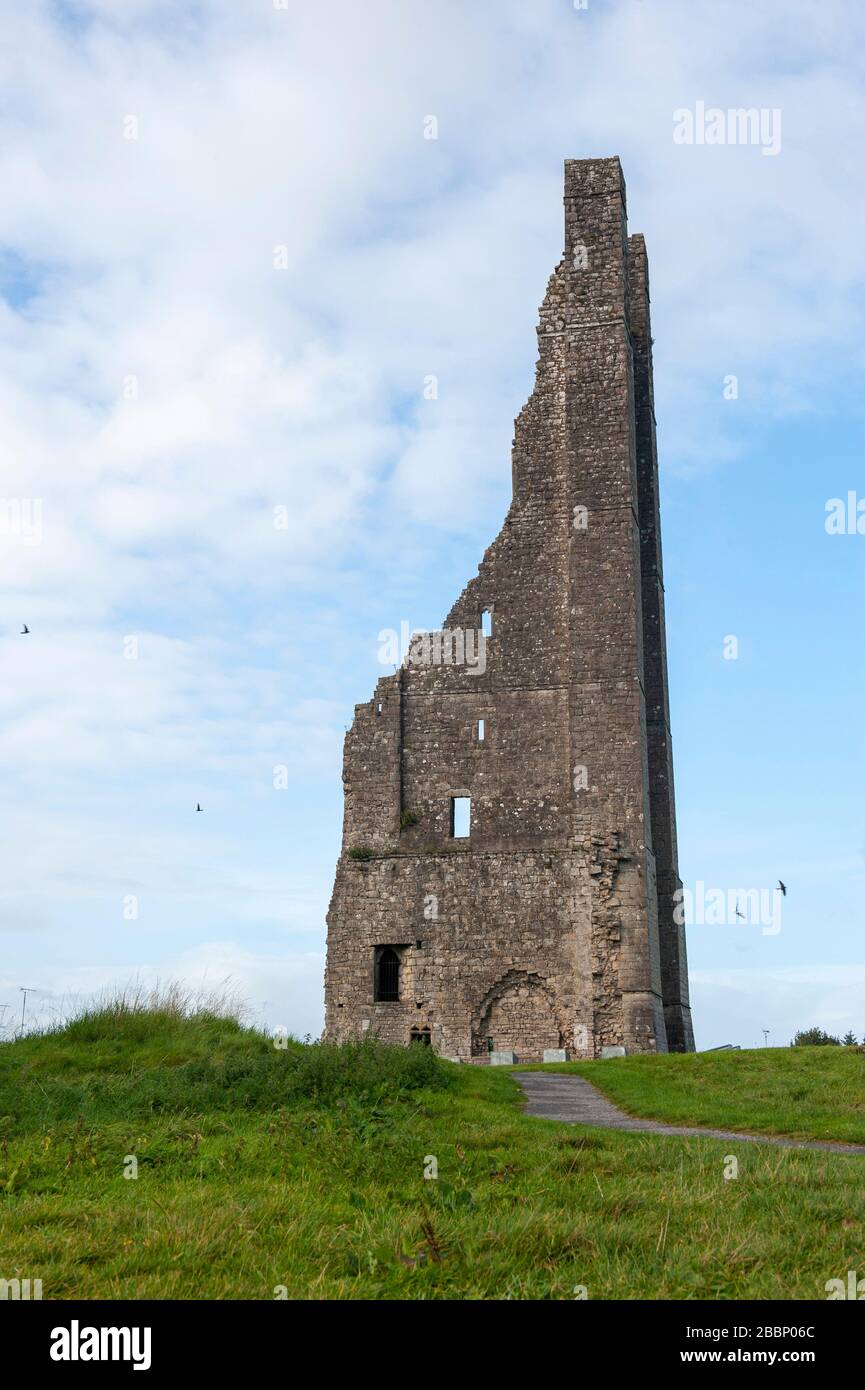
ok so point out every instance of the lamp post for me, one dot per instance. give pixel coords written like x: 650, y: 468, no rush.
x: 25, y: 992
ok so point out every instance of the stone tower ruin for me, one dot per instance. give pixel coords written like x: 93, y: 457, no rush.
x: 509, y: 860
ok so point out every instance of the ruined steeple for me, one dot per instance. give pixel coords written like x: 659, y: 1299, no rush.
x: 550, y: 924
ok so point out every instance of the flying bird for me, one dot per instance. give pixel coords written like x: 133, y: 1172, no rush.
x: 783, y: 887
x: 738, y: 913
x: 25, y: 629
x: 198, y: 805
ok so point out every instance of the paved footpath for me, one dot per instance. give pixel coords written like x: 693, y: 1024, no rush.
x: 562, y: 1096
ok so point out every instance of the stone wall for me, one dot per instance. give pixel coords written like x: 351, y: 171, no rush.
x: 552, y: 924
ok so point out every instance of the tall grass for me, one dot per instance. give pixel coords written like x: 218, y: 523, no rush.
x: 125, y: 1003
x: 139, y: 1053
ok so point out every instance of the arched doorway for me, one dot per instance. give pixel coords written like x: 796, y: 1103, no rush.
x: 518, y: 1016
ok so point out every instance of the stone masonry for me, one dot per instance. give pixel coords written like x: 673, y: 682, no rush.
x: 551, y: 923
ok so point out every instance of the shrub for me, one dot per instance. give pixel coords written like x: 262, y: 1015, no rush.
x: 815, y: 1037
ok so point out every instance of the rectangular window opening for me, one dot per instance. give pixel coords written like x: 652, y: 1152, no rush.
x: 481, y: 727
x: 461, y: 817
x: 487, y: 623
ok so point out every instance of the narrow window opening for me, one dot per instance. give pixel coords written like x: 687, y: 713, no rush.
x: 487, y: 623
x: 378, y: 707
x: 418, y: 945
x: 461, y: 817
x: 421, y: 1035
x: 481, y: 727
x: 386, y: 975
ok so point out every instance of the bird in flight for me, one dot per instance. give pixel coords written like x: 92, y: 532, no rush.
x: 198, y: 805
x: 25, y: 629
x: 783, y: 887
x: 738, y: 913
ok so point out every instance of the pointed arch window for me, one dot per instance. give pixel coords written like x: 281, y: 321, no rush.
x: 387, y: 966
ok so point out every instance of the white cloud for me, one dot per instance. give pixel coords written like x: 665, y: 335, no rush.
x: 736, y: 1005
x: 153, y: 258
x: 280, y: 990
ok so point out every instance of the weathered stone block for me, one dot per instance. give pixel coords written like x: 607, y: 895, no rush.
x: 613, y: 1052
x: 502, y: 1059
x: 555, y: 1054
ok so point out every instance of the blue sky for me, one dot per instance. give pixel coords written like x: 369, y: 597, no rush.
x: 164, y: 388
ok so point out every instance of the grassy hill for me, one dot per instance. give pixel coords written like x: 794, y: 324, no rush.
x: 263, y: 1170
x: 803, y: 1092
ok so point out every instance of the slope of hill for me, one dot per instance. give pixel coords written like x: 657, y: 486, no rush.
x: 308, y: 1172
x: 803, y: 1092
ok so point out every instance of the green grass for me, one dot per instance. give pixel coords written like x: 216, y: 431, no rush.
x: 804, y: 1092
x: 303, y: 1167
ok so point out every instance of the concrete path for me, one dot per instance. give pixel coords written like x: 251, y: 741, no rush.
x: 572, y: 1099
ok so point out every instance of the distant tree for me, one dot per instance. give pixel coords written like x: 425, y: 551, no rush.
x: 849, y: 1039
x: 815, y: 1037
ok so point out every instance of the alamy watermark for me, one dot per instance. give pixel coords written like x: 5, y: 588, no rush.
x: 736, y: 126
x: 450, y: 647
x: 853, y: 1289
x: 21, y: 518
x: 77, y: 1343
x: 729, y: 907
x: 845, y: 518
x: 20, y: 1290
